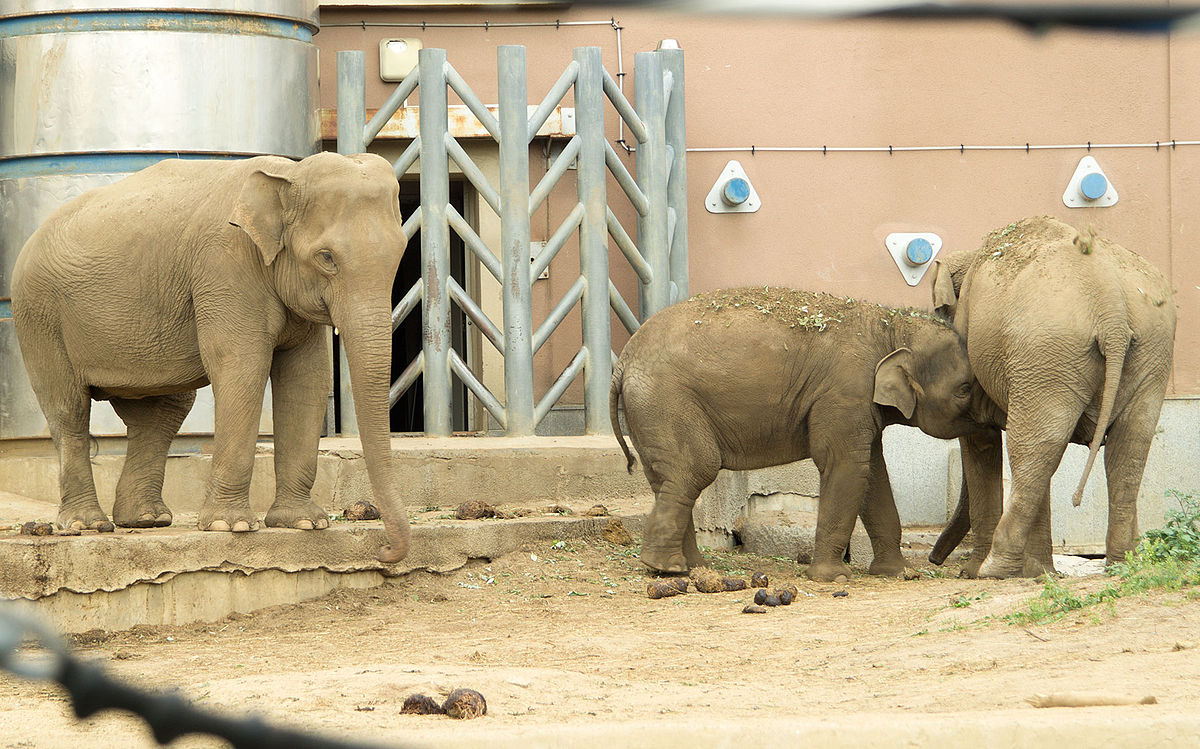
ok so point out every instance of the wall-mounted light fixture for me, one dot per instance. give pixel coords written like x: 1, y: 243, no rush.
x: 1089, y: 186
x: 913, y: 252
x: 732, y: 192
x: 397, y: 58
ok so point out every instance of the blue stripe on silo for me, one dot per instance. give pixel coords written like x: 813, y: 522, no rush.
x: 95, y: 163
x: 207, y: 23
x: 5, y: 310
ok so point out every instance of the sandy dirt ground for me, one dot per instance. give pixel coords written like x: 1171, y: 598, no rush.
x: 569, y: 651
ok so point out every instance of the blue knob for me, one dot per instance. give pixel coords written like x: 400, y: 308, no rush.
x: 918, y: 252
x: 1093, y: 185
x: 736, y: 191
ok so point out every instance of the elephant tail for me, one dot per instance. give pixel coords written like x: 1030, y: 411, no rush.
x: 614, y: 397
x: 1113, y: 346
x: 954, y: 532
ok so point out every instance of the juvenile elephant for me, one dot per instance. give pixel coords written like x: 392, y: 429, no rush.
x: 1071, y: 336
x: 756, y: 377
x: 222, y: 272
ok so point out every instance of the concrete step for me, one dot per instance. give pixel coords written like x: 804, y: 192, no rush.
x: 118, y: 580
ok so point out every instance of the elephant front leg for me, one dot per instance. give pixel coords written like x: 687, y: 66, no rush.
x: 845, y: 478
x: 239, y: 378
x: 881, y: 519
x: 983, y: 481
x: 301, y: 378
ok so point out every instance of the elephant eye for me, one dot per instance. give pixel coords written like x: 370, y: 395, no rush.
x: 964, y: 390
x: 326, y: 258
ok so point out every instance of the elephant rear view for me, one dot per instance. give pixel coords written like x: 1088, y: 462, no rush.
x: 224, y: 272
x: 750, y: 378
x: 1071, y: 335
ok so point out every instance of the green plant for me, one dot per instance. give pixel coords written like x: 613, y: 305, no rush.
x: 1166, y: 558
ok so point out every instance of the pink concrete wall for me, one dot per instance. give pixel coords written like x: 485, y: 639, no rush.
x: 786, y: 82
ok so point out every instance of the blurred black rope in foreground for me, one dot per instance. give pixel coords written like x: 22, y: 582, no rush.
x: 169, y: 716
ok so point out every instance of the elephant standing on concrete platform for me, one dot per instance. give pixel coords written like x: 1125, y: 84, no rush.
x: 1071, y: 336
x: 757, y: 377
x: 224, y: 272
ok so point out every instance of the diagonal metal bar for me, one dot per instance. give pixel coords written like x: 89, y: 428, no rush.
x: 406, y: 378
x: 629, y: 249
x: 408, y: 158
x: 480, y: 390
x: 473, y: 173
x: 477, y: 315
x: 552, y: 321
x: 473, y: 102
x: 672, y: 60
x: 393, y: 103
x: 473, y: 242
x: 412, y: 224
x: 625, y: 180
x: 553, y: 174
x: 560, y: 386
x: 408, y: 303
x: 621, y: 307
x: 557, y: 92
x: 624, y: 108
x: 557, y: 240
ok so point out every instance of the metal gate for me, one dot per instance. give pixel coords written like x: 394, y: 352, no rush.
x: 658, y: 194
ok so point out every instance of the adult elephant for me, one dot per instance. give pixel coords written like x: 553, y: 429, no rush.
x: 224, y: 272
x: 1071, y: 336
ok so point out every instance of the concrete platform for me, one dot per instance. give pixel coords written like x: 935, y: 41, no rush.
x: 118, y: 580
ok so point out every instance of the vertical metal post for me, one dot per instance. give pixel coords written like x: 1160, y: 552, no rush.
x: 351, y: 122
x: 514, y: 241
x: 435, y: 241
x: 652, y: 179
x: 672, y: 62
x: 592, y: 178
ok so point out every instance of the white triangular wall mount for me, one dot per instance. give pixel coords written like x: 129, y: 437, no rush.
x: 733, y: 192
x: 1089, y: 187
x: 914, y: 264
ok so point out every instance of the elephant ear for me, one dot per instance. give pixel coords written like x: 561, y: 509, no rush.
x: 944, y: 296
x: 258, y: 210
x: 894, y: 385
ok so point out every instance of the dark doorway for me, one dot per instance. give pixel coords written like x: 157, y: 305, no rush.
x: 408, y: 413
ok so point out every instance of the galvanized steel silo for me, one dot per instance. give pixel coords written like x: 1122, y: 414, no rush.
x: 89, y: 94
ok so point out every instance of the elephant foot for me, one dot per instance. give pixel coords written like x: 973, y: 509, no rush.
x: 237, y: 518
x: 153, y: 514
x: 1001, y: 567
x: 970, y: 567
x: 85, y: 516
x: 1037, y: 568
x: 888, y: 567
x: 301, y: 516
x: 828, y: 572
x: 669, y: 563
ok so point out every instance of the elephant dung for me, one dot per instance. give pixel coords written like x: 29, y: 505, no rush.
x: 615, y: 532
x: 707, y: 580
x: 759, y: 580
x: 596, y: 511
x: 790, y: 588
x: 764, y: 598
x: 36, y: 529
x: 474, y: 509
x: 558, y: 510
x: 465, y: 704
x: 750, y: 608
x: 733, y: 583
x: 361, y: 511
x: 656, y: 589
x: 420, y: 704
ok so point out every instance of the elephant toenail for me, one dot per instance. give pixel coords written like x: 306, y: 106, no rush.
x: 304, y: 525
x: 241, y: 526
x: 217, y: 525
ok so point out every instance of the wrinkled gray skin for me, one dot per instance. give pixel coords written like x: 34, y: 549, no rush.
x: 715, y: 382
x: 222, y: 272
x: 1064, y: 331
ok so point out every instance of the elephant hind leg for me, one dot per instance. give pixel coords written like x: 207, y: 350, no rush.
x: 1125, y: 451
x: 677, y: 477
x: 151, y: 424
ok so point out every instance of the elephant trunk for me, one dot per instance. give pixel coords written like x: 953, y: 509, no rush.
x: 366, y: 331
